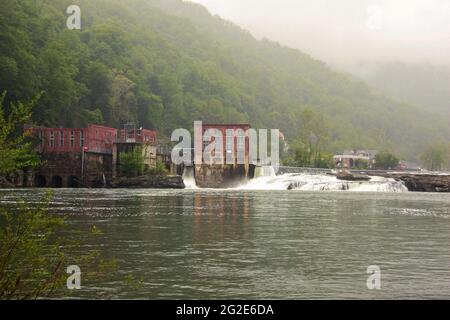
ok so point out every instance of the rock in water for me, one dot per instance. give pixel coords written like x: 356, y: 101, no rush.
x: 347, y: 176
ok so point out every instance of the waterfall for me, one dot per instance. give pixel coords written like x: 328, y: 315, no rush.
x: 188, y: 178
x: 264, y: 171
x: 322, y: 182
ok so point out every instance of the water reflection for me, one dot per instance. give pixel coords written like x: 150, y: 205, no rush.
x: 218, y: 217
x: 263, y: 244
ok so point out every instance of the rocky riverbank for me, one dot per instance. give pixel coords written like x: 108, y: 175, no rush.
x: 422, y: 182
x: 153, y: 182
x: 416, y: 182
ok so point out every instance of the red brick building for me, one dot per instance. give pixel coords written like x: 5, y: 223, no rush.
x: 234, y: 138
x: 84, y: 157
x: 94, y: 138
x: 129, y: 139
x: 137, y: 135
x: 235, y: 146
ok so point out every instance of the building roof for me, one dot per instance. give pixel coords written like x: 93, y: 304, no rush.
x: 226, y: 125
x: 355, y: 152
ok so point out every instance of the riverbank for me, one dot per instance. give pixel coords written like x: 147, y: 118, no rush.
x: 414, y: 181
x: 421, y: 182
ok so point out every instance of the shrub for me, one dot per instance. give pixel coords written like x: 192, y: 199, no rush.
x: 386, y: 160
x: 34, y: 254
x: 159, y: 169
x: 132, y: 163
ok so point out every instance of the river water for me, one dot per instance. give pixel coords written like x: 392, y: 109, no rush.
x: 261, y: 244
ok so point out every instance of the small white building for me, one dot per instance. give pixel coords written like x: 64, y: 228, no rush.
x: 356, y: 158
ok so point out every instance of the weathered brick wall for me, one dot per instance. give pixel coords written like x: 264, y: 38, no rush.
x: 65, y: 170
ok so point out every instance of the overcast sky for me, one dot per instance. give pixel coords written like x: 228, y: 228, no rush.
x: 346, y: 33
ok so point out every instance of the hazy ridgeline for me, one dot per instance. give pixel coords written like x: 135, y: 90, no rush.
x: 166, y: 63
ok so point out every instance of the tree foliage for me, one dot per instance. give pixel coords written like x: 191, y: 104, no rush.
x: 437, y: 156
x: 16, y: 147
x: 159, y: 169
x: 34, y: 254
x: 132, y: 163
x: 166, y: 63
x: 385, y: 160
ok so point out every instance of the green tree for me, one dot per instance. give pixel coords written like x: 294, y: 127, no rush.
x: 436, y: 156
x: 132, y: 163
x: 122, y: 100
x: 166, y: 63
x: 34, y: 254
x: 314, y: 133
x: 16, y: 147
x: 91, y: 117
x: 386, y: 161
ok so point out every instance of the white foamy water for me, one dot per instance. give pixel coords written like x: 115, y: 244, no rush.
x: 188, y: 178
x: 264, y: 171
x: 316, y: 182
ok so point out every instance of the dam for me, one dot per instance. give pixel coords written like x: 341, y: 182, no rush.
x: 317, y: 179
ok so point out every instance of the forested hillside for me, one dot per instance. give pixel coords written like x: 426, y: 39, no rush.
x: 426, y: 86
x: 165, y: 63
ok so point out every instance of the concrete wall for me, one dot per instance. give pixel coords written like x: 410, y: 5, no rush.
x: 220, y: 176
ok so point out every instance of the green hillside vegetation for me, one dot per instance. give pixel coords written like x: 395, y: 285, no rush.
x: 164, y: 64
x: 424, y: 85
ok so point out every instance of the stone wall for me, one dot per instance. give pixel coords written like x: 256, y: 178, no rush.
x: 65, y: 170
x: 220, y: 176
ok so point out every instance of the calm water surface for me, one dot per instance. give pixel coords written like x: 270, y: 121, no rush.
x: 262, y: 244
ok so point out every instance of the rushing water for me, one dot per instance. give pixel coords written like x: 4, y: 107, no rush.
x: 188, y: 178
x: 261, y: 244
x: 320, y: 182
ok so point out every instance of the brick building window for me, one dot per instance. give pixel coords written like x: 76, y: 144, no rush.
x: 51, y: 142
x: 61, y: 138
x: 241, y: 142
x: 72, y: 139
x: 230, y: 143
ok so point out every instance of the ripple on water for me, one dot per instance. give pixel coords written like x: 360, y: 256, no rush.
x: 259, y: 244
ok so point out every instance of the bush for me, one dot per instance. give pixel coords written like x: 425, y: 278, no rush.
x: 132, y: 163
x: 34, y: 255
x: 386, y: 161
x: 361, y: 164
x: 159, y: 169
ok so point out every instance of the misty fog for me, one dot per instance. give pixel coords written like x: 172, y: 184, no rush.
x: 348, y: 34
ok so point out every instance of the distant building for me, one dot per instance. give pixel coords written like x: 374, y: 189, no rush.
x: 86, y: 157
x: 94, y: 138
x: 74, y: 157
x: 234, y: 146
x: 129, y: 139
x: 130, y: 134
x: 356, y: 159
x: 407, y: 166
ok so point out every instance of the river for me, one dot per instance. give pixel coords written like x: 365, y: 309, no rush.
x: 261, y: 244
